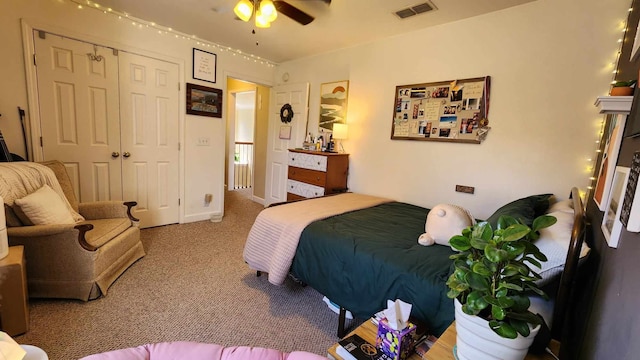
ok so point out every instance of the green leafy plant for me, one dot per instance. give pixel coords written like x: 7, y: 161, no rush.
x: 627, y: 83
x: 493, y: 278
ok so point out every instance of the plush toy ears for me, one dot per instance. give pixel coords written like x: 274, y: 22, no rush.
x: 443, y: 222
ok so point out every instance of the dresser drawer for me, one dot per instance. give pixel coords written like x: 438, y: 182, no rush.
x: 303, y: 189
x: 308, y: 161
x: 313, y: 177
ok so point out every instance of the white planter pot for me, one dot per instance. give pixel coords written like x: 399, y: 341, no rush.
x: 476, y: 340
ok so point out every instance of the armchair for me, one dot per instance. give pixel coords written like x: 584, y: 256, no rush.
x: 77, y: 260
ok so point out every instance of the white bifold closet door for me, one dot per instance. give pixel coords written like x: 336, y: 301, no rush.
x: 112, y: 118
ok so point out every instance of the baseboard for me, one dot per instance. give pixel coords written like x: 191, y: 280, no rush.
x: 259, y: 200
x: 203, y: 217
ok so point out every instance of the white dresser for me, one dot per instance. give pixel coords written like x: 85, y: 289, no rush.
x: 316, y: 173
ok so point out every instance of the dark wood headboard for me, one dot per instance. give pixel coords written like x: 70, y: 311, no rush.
x: 566, y: 289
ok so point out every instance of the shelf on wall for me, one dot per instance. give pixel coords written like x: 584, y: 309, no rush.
x: 614, y: 104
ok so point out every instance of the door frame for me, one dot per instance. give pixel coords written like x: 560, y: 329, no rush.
x: 257, y: 81
x: 33, y: 104
x: 231, y: 134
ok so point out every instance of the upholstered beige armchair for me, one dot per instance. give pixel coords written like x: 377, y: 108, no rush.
x: 72, y: 250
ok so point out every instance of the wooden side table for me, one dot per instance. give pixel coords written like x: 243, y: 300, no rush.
x: 368, y: 331
x: 14, y: 308
x: 443, y: 348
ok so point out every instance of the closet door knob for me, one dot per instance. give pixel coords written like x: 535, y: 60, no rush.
x: 126, y: 154
x: 115, y: 154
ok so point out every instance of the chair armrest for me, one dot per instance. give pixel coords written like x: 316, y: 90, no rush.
x: 39, y: 230
x: 107, y: 210
x: 36, y: 231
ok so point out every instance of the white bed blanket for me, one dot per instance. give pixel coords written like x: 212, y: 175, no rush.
x: 273, y: 239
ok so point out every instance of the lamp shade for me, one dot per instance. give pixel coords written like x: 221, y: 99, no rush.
x: 9, y: 348
x: 340, y: 131
x: 243, y: 10
x: 262, y: 21
x: 268, y: 10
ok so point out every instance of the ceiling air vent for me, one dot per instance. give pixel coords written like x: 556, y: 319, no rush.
x: 414, y: 10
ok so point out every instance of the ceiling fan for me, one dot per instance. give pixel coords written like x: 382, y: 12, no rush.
x: 264, y: 15
x: 294, y: 13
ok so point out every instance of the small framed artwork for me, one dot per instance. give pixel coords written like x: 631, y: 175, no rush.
x: 609, y: 157
x: 611, y: 225
x: 204, y: 101
x: 285, y: 132
x: 204, y: 65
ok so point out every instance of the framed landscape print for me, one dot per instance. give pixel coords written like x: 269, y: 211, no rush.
x: 333, y: 104
x: 204, y: 101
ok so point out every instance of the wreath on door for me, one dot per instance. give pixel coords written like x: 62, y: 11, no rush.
x: 286, y: 113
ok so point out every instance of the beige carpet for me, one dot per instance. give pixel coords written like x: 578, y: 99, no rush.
x: 193, y: 285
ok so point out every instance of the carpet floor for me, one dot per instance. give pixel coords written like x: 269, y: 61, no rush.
x: 192, y: 285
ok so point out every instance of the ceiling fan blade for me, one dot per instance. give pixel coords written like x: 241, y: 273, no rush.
x: 293, y: 12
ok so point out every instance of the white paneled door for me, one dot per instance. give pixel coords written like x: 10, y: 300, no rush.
x: 79, y: 111
x: 112, y: 118
x: 149, y: 98
x: 297, y: 95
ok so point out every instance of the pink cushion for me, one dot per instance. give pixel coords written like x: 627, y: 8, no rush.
x: 197, y: 351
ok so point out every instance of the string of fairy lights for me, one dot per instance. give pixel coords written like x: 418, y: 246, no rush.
x: 168, y: 31
x: 623, y: 28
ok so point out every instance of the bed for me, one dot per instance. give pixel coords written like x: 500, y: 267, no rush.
x: 359, y: 256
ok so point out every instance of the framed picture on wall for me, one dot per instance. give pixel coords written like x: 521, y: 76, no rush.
x: 204, y: 65
x: 611, y: 224
x: 333, y: 104
x: 204, y: 101
x: 612, y: 142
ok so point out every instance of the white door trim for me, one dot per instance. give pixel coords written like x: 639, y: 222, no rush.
x: 33, y: 114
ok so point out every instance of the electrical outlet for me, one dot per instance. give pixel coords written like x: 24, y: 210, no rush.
x: 203, y: 141
x: 465, y: 189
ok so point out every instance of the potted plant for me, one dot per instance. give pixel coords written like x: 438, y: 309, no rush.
x: 623, y: 88
x: 491, y: 284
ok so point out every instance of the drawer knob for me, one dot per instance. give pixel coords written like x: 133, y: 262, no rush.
x: 318, y: 162
x: 318, y: 178
x: 293, y: 159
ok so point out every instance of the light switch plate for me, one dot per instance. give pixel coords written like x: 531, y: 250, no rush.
x: 203, y: 141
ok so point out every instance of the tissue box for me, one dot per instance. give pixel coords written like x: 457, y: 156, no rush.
x: 397, y: 344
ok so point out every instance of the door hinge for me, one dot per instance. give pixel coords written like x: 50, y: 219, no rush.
x: 34, y: 60
x: 41, y: 144
x: 178, y: 202
x: 178, y: 146
x: 42, y: 34
x: 178, y: 86
x: 115, y: 52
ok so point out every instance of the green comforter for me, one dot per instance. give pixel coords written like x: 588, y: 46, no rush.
x: 361, y: 259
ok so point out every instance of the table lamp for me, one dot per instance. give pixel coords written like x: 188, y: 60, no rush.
x: 339, y: 134
x: 9, y: 348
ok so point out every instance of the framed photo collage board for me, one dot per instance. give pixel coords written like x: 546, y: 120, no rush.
x: 454, y: 111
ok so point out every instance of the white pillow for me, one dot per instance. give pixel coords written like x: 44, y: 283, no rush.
x: 554, y: 243
x: 563, y: 205
x: 45, y: 207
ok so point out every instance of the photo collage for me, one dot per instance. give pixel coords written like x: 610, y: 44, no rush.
x: 453, y: 110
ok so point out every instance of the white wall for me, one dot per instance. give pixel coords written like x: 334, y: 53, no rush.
x: 548, y: 60
x: 202, y: 166
x: 245, y: 116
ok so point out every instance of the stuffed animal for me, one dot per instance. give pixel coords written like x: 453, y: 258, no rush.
x: 443, y: 222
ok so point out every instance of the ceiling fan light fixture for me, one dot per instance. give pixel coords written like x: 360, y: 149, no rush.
x: 262, y: 21
x: 268, y: 10
x: 243, y: 10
